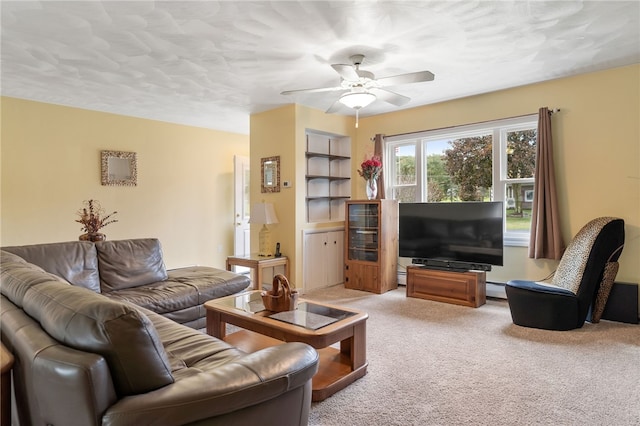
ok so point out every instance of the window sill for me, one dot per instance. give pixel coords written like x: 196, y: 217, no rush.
x: 511, y: 240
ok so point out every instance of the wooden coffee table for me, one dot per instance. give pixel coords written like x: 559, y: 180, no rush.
x: 337, y: 367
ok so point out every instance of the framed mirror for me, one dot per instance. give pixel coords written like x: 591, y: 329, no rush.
x: 119, y: 168
x: 270, y: 173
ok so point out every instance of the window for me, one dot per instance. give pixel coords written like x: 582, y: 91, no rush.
x: 492, y: 161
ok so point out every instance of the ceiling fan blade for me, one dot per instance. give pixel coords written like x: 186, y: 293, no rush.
x: 347, y: 72
x: 413, y: 77
x: 391, y: 97
x: 335, y: 107
x: 317, y: 90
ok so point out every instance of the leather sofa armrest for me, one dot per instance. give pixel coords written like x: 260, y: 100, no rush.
x: 65, y: 380
x: 249, y: 380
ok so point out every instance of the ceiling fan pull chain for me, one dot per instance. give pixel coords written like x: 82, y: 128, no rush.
x: 357, y: 111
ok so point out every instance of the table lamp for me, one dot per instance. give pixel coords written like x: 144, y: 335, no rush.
x: 264, y: 213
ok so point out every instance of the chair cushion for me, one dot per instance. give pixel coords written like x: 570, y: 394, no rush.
x: 130, y: 263
x: 90, y: 322
x: 539, y: 287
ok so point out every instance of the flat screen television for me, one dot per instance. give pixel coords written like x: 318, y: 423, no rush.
x: 452, y: 236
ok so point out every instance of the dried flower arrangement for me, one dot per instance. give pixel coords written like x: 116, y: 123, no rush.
x: 92, y: 217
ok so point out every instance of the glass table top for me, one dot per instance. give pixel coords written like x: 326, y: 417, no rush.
x: 308, y: 315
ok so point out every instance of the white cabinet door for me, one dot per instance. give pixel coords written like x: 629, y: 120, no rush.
x: 323, y: 259
x: 335, y: 257
x: 314, y: 267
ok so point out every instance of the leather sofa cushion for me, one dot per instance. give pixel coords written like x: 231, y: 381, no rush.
x: 18, y: 277
x: 180, y: 297
x: 75, y: 261
x: 209, y: 283
x: 119, y: 332
x: 161, y: 297
x: 130, y: 263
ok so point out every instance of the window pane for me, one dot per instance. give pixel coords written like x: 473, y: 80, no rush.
x: 468, y: 162
x: 440, y: 186
x: 519, y: 197
x: 521, y: 154
x: 405, y: 165
x: 405, y: 194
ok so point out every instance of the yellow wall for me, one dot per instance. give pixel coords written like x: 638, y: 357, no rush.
x: 281, y: 132
x: 596, y: 147
x: 51, y: 163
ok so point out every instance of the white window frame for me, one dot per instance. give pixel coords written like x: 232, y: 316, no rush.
x: 497, y: 128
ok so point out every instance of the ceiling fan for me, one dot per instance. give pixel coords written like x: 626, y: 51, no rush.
x: 362, y: 88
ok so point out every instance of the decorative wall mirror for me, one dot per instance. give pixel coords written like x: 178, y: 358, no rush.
x: 119, y: 168
x: 270, y: 172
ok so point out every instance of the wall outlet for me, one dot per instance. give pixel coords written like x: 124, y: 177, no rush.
x: 286, y: 184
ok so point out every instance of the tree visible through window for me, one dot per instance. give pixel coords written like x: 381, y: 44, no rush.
x: 469, y: 163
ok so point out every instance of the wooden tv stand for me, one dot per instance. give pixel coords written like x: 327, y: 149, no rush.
x: 460, y: 288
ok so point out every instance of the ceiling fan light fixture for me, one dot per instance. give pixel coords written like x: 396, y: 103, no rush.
x: 357, y: 100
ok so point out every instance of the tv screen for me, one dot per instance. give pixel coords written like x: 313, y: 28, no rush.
x: 463, y: 235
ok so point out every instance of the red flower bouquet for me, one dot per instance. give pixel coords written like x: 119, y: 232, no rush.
x: 371, y: 168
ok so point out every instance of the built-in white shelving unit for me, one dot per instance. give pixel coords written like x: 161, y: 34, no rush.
x: 328, y: 176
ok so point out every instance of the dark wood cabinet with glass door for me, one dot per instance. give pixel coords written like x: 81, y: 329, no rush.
x: 371, y: 245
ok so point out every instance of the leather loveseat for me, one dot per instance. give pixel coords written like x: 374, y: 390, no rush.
x: 82, y: 358
x: 134, y: 271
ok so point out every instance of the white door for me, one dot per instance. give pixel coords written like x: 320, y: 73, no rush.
x: 242, y: 204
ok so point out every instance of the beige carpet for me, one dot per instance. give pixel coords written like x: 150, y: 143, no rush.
x: 433, y: 363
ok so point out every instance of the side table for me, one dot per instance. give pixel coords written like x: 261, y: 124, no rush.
x: 258, y: 263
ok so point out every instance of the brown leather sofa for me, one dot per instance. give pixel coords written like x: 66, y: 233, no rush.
x: 85, y: 359
x: 134, y: 271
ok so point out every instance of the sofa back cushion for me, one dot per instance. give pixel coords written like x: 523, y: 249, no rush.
x: 75, y: 261
x: 90, y: 322
x: 17, y: 276
x: 130, y: 263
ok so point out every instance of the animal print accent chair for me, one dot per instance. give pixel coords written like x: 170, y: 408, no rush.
x: 574, y: 260
x: 583, y: 280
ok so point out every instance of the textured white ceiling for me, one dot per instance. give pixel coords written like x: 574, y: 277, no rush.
x: 213, y: 63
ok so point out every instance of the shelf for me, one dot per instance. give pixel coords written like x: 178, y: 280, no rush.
x: 328, y: 197
x: 309, y: 177
x: 327, y: 176
x: 329, y: 156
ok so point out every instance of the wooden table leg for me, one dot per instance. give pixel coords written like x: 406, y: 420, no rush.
x: 258, y: 284
x: 356, y: 346
x: 215, y: 326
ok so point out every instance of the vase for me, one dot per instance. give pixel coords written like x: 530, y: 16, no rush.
x: 372, y: 189
x: 94, y: 236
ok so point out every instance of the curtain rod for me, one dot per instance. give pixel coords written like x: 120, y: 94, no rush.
x: 551, y: 111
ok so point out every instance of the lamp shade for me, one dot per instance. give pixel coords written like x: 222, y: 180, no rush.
x: 263, y: 213
x: 357, y: 100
